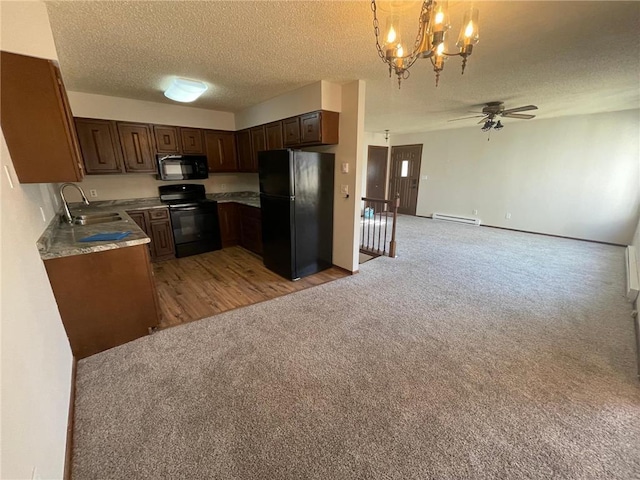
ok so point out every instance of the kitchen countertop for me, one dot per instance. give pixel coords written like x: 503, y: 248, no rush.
x: 61, y: 239
x: 246, y: 198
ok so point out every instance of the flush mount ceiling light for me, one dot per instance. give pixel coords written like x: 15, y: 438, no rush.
x: 184, y: 90
x: 433, y: 24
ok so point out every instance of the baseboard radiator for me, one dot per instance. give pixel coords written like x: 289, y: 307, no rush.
x: 632, y: 273
x: 456, y: 218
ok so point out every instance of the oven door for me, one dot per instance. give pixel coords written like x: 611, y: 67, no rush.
x: 195, y: 229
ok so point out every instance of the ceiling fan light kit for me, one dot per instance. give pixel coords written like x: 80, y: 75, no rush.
x: 492, y: 110
x: 430, y: 42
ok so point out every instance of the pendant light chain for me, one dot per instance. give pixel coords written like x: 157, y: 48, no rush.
x: 428, y: 43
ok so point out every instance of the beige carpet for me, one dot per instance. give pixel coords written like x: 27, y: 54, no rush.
x: 478, y: 353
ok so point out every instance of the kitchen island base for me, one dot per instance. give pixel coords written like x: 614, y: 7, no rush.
x: 105, y: 298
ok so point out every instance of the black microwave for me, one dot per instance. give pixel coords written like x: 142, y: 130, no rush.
x: 182, y: 167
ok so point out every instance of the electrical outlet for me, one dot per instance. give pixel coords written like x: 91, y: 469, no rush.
x: 345, y: 168
x: 93, y: 193
x: 344, y: 189
x: 475, y: 212
x: 223, y: 186
x: 508, y: 216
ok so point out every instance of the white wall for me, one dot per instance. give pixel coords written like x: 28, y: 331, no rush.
x: 331, y: 96
x: 346, y: 213
x: 36, y: 357
x: 111, y: 187
x: 115, y: 108
x: 140, y: 185
x: 302, y: 100
x: 571, y: 176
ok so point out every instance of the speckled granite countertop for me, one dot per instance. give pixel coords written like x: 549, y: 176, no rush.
x: 61, y: 239
x: 246, y: 198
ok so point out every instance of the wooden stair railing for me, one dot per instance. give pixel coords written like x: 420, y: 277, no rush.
x: 374, y: 228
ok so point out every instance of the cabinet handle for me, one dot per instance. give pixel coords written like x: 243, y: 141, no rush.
x: 220, y: 150
x: 137, y: 148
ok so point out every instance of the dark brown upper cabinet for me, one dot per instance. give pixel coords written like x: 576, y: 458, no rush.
x: 100, y: 145
x: 137, y: 149
x: 221, y: 151
x: 191, y: 140
x: 310, y: 129
x: 133, y: 146
x: 274, y: 136
x: 37, y: 122
x: 258, y: 144
x: 319, y: 128
x: 167, y: 139
x: 291, y: 128
x: 245, y: 152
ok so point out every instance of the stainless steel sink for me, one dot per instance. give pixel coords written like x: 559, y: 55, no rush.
x: 92, y: 219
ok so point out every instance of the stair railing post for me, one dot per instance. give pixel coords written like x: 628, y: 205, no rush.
x: 392, y: 243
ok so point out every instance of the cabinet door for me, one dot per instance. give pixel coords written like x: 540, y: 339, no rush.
x: 251, y: 229
x: 229, y: 228
x: 191, y: 141
x: 291, y: 128
x: 135, y: 139
x: 166, y: 139
x: 105, y: 298
x: 162, y: 240
x: 274, y: 136
x: 99, y: 145
x: 258, y: 144
x: 245, y: 155
x: 221, y: 151
x: 140, y: 218
x: 310, y: 131
x: 36, y: 121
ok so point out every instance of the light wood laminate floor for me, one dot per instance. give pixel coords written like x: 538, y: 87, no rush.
x: 199, y: 286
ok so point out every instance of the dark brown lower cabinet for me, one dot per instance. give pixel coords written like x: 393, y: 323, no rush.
x: 105, y: 298
x: 251, y: 228
x: 240, y: 225
x: 229, y: 227
x: 157, y: 225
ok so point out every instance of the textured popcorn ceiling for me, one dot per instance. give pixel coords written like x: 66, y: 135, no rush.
x: 566, y: 57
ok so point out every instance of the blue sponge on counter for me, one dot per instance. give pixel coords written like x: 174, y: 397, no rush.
x: 103, y: 237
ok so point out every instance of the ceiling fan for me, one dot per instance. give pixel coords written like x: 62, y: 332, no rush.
x: 496, y: 109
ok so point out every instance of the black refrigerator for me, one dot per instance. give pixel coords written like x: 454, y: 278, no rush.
x: 296, y: 199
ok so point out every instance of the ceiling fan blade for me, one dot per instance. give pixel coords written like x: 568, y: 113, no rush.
x: 524, y: 116
x: 520, y: 109
x: 484, y: 120
x: 464, y: 118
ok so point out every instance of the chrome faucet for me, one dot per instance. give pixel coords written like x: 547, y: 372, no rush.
x: 67, y: 213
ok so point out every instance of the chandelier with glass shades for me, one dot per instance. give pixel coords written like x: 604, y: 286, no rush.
x: 430, y: 42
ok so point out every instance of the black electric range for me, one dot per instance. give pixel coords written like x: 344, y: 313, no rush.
x: 194, y: 218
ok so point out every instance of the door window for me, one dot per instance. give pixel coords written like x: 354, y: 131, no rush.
x: 405, y: 168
